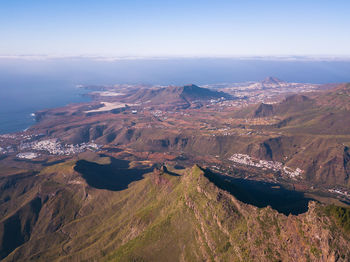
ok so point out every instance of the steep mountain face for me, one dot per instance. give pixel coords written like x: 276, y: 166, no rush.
x: 325, y: 113
x: 293, y: 104
x: 316, y: 134
x: 336, y: 98
x: 323, y: 159
x: 263, y: 110
x: 193, y: 92
x: 165, y: 216
x: 175, y: 95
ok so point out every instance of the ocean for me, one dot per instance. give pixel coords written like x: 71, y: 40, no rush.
x: 29, y: 85
x: 20, y: 99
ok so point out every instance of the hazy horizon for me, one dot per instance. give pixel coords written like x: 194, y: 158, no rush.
x: 131, y: 57
x: 175, y: 70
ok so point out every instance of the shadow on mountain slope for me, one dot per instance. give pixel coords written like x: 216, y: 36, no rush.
x: 17, y: 229
x: 262, y: 194
x: 115, y: 176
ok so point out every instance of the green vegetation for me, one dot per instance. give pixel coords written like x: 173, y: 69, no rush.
x: 315, y: 251
x: 341, y: 216
x: 162, y: 217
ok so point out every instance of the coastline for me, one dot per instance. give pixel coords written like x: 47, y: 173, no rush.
x: 20, y: 116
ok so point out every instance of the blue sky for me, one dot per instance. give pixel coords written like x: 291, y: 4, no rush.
x: 175, y: 28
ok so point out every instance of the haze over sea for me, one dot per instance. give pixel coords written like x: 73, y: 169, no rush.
x: 29, y: 85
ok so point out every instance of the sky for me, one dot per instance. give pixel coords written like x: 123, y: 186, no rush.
x: 175, y: 28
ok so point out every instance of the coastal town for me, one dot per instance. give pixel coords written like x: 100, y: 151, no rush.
x: 275, y: 166
x: 171, y: 118
x: 265, y: 91
x: 31, y: 146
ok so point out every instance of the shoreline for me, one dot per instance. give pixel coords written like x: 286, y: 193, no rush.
x: 20, y: 121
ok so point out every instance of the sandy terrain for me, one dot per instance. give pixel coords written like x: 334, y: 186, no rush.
x: 108, y: 93
x: 107, y: 106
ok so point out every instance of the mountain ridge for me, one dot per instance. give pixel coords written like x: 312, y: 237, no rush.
x: 167, y: 216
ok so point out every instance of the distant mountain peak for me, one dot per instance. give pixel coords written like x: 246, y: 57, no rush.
x: 176, y: 96
x: 272, y: 80
x: 191, y: 86
x: 195, y: 92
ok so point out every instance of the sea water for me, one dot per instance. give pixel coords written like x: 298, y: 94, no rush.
x: 19, y: 100
x: 29, y: 85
